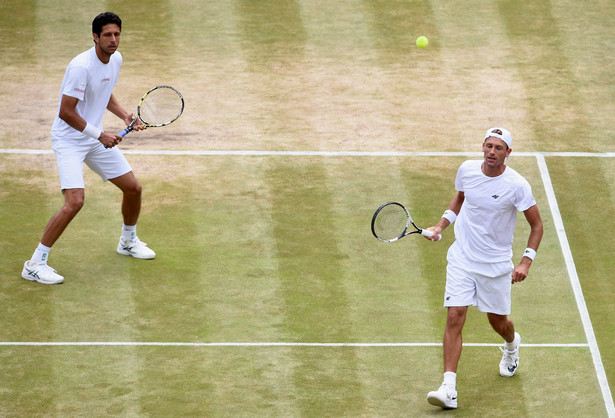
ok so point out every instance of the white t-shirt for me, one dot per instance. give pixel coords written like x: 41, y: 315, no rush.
x: 91, y: 81
x: 486, y: 223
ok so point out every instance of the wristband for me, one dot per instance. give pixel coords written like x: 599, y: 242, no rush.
x: 529, y: 253
x: 92, y: 131
x: 449, y: 215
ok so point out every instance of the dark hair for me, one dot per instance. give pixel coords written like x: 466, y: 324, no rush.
x: 104, y: 19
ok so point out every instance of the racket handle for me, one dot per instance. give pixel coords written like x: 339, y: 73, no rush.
x: 124, y: 132
x: 428, y: 233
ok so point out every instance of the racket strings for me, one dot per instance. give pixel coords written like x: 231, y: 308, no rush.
x: 391, y: 222
x: 161, y: 106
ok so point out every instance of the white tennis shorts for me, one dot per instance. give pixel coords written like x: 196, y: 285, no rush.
x: 108, y: 163
x: 484, y: 285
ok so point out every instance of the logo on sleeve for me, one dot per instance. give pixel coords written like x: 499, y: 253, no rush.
x: 80, y: 88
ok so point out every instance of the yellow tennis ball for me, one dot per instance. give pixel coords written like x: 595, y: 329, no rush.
x: 422, y: 42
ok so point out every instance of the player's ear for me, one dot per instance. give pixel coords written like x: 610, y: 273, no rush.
x: 95, y: 38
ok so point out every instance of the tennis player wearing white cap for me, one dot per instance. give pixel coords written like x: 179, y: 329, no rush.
x: 480, y: 271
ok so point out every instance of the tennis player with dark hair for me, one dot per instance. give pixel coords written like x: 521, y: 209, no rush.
x: 480, y: 270
x: 77, y: 136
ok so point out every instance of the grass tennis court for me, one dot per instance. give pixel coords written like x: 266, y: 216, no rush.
x: 269, y: 296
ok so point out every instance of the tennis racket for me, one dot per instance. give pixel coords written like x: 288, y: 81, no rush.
x: 160, y: 106
x: 392, y: 221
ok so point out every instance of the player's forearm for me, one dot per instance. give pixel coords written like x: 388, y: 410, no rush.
x: 72, y: 118
x: 536, y: 228
x: 68, y: 113
x: 533, y: 241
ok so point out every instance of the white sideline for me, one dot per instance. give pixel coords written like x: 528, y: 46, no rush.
x: 576, y: 286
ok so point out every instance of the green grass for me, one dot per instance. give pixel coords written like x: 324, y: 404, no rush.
x: 271, y: 249
x: 278, y: 248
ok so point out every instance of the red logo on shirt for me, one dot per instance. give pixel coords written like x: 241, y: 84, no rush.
x: 105, y: 80
x: 79, y: 90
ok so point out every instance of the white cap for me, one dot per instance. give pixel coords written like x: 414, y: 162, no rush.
x: 500, y: 133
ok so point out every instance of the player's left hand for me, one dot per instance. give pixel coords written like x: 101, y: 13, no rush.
x: 138, y: 126
x: 520, y: 272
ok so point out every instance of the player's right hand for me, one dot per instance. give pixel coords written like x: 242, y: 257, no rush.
x: 437, y: 233
x: 109, y: 140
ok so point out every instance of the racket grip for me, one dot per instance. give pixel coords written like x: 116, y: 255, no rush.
x: 124, y: 132
x: 428, y: 233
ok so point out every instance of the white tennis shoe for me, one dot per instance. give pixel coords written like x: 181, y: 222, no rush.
x: 135, y: 248
x: 445, y: 397
x: 510, y: 359
x: 40, y: 272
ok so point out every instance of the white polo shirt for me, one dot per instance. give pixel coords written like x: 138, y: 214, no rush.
x: 91, y: 81
x: 486, y: 223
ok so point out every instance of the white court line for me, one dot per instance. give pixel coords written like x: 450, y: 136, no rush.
x: 262, y: 344
x: 247, y: 153
x: 576, y: 286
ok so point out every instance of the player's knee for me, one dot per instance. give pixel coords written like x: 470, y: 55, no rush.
x: 455, y: 318
x: 500, y: 323
x: 74, y: 204
x: 138, y: 189
x: 134, y: 189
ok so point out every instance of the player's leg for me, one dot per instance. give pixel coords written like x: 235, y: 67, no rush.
x: 36, y: 269
x: 73, y: 202
x: 446, y: 395
x: 70, y: 157
x: 503, y: 325
x: 460, y: 293
x: 129, y: 243
x: 512, y: 341
x: 111, y: 165
x: 131, y: 200
x: 455, y: 320
x: 494, y: 298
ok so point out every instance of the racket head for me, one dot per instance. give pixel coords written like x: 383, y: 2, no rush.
x: 390, y: 222
x: 160, y: 106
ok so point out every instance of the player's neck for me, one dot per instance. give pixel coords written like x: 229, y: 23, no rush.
x: 103, y: 56
x: 493, y: 171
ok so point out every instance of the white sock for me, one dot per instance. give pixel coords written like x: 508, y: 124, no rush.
x: 512, y: 346
x: 450, y: 379
x: 41, y: 254
x: 129, y: 232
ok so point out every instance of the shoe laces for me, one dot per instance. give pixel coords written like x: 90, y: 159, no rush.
x: 134, y: 242
x: 41, y: 267
x: 509, y: 356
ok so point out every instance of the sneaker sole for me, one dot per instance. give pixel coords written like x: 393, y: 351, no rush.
x: 32, y: 279
x: 122, y: 252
